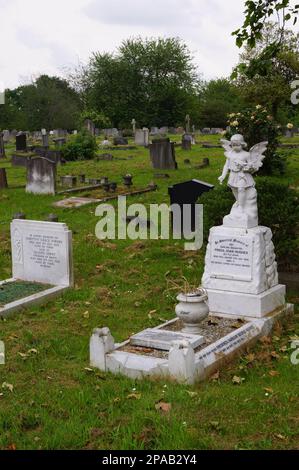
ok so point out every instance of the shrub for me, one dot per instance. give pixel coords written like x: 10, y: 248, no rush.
x: 278, y: 209
x: 128, y: 133
x: 258, y: 125
x: 82, y: 147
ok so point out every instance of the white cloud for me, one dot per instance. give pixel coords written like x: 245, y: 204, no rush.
x: 45, y: 36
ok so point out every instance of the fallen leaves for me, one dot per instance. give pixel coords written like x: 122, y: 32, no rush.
x: 134, y: 396
x: 237, y: 380
x: 7, y: 386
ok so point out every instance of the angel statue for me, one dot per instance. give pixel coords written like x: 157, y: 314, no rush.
x: 241, y: 165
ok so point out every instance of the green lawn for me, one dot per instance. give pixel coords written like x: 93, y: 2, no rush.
x: 58, y: 402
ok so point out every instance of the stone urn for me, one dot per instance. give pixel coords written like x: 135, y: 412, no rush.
x: 128, y: 180
x: 192, y: 309
x: 113, y: 187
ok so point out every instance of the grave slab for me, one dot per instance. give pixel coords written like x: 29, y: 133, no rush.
x: 161, y: 339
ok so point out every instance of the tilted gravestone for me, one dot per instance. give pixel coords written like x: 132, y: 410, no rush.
x: 41, y: 176
x: 21, y: 142
x: 187, y: 193
x: 162, y: 154
x: 2, y: 148
x: 6, y: 136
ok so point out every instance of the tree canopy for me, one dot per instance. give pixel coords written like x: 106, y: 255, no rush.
x: 47, y: 102
x: 151, y: 80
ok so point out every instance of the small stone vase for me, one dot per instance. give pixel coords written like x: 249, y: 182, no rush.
x: 192, y: 309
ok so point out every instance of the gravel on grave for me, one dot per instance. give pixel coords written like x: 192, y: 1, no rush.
x: 17, y: 290
x: 212, y: 328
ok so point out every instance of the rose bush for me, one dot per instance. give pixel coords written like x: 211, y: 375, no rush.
x: 258, y: 125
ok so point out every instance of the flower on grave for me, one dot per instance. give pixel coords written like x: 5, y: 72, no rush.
x: 290, y: 126
x: 235, y: 123
x: 231, y: 115
x: 270, y: 117
x: 252, y: 117
x: 258, y: 106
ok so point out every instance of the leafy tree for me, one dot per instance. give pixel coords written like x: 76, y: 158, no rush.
x: 218, y: 99
x: 266, y: 80
x: 257, y: 12
x: 48, y: 102
x: 151, y: 80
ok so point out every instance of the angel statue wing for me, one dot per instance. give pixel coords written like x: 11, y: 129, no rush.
x: 227, y: 147
x: 257, y: 155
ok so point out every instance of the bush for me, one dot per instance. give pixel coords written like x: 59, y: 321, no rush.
x: 128, y: 133
x: 82, y: 147
x: 258, y: 125
x: 278, y: 209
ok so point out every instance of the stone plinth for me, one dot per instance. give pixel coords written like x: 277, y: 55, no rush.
x: 241, y: 272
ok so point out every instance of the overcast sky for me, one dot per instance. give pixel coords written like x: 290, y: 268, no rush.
x: 49, y: 36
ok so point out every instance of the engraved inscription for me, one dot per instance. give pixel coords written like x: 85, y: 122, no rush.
x: 231, y: 257
x: 44, y: 250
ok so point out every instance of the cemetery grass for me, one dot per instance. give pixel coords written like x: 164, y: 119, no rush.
x: 49, y: 396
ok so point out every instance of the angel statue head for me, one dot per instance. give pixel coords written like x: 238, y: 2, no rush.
x: 237, y: 142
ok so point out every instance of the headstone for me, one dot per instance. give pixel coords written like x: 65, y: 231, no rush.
x: 41, y: 176
x: 163, y: 130
x: 42, y: 252
x: 3, y: 179
x: 187, y: 119
x: 154, y: 130
x: 68, y: 181
x: 45, y: 138
x: 90, y: 126
x: 142, y: 137
x: 6, y: 136
x: 186, y: 142
x: 162, y: 154
x: 187, y: 193
x: 2, y: 148
x: 21, y: 142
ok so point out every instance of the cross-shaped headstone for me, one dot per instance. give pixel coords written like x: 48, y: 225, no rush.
x: 134, y: 125
x: 187, y: 119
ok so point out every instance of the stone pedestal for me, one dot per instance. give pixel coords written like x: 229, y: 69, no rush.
x: 241, y: 272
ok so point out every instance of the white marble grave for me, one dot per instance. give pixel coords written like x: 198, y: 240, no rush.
x: 41, y: 253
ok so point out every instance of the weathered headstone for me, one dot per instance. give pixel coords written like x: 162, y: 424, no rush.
x: 6, y: 136
x: 68, y: 181
x: 162, y: 154
x: 21, y: 142
x: 142, y: 137
x: 41, y: 176
x: 186, y: 142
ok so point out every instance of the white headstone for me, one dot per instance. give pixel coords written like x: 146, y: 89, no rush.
x: 42, y: 252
